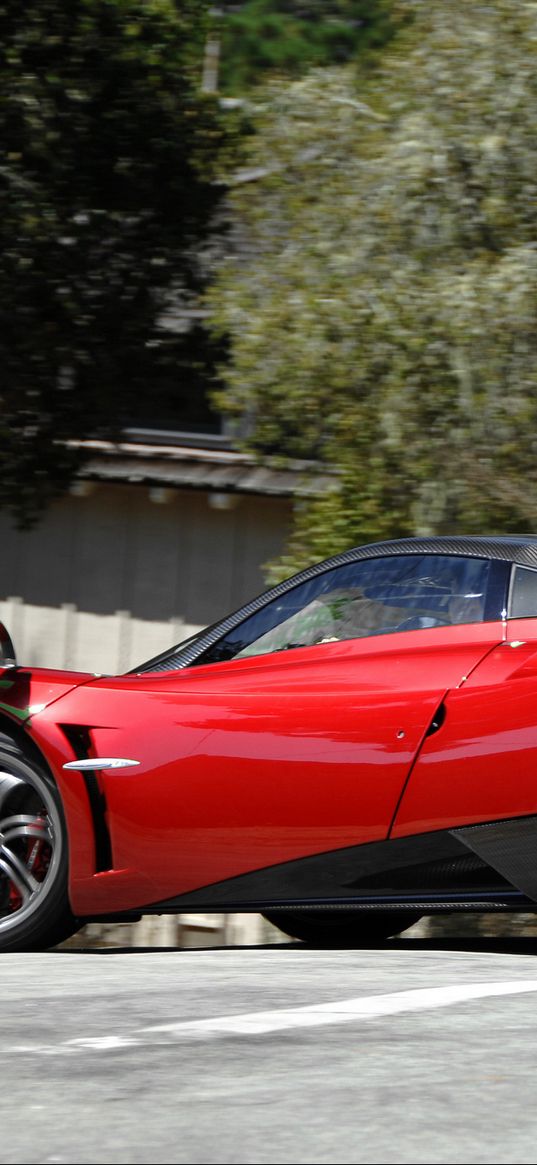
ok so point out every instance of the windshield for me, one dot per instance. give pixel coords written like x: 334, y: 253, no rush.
x: 356, y: 599
x: 371, y: 597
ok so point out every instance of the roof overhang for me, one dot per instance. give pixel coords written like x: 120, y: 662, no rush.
x: 178, y: 466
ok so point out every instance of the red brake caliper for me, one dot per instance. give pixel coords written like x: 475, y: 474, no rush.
x: 15, y: 898
x: 36, y: 860
x: 38, y: 857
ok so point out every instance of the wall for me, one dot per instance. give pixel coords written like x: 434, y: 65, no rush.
x: 108, y: 580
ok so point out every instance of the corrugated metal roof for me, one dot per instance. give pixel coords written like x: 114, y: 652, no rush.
x: 186, y: 467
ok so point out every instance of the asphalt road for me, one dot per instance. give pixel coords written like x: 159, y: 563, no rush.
x: 408, y: 1053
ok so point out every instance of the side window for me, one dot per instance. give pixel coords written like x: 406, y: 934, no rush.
x: 371, y: 597
x: 523, y: 593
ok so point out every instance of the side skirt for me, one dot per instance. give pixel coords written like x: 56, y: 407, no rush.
x: 510, y: 847
x: 431, y: 872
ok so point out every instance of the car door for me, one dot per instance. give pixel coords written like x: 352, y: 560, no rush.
x: 481, y: 765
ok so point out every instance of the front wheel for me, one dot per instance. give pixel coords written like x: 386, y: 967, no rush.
x: 34, y: 907
x: 342, y: 928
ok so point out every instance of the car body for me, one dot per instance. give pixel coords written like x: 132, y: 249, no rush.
x: 352, y: 749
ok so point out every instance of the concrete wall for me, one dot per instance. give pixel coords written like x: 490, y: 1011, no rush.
x: 110, y: 579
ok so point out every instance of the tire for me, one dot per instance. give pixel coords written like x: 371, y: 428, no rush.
x: 342, y: 928
x: 34, y: 906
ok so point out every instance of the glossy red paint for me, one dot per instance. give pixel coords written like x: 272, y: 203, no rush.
x: 481, y: 765
x: 25, y: 691
x: 257, y: 761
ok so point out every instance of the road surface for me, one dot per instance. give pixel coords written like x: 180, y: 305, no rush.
x: 408, y: 1053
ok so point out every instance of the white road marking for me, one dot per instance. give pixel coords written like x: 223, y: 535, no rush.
x: 262, y: 1022
x: 342, y: 1011
x: 102, y: 1043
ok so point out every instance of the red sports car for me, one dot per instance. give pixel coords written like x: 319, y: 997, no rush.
x: 352, y: 749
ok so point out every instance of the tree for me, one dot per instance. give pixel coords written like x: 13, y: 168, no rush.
x: 388, y: 326
x: 107, y: 186
x: 263, y: 37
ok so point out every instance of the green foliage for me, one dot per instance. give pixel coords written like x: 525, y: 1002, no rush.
x: 388, y: 326
x: 264, y: 37
x: 107, y: 185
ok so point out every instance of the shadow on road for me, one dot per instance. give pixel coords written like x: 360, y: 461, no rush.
x: 507, y: 946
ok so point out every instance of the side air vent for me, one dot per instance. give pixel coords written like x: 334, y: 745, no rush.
x: 79, y: 737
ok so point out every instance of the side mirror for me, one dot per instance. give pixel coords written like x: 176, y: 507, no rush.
x: 7, y: 651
